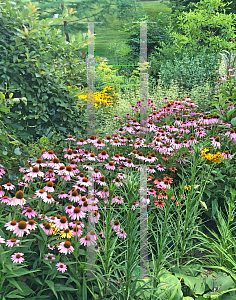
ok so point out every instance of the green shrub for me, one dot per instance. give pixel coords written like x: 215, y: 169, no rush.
x: 38, y: 63
x: 191, y: 69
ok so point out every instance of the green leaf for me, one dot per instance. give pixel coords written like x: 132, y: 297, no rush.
x: 13, y: 295
x: 60, y: 287
x: 13, y: 282
x: 12, y: 177
x: 17, y: 151
x: 51, y: 285
x: 43, y: 139
x: 20, y: 272
x: 233, y: 121
x: 4, y: 109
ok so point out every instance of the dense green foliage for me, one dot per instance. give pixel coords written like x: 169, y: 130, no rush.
x: 37, y: 63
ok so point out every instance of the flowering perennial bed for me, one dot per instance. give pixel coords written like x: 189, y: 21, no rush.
x: 46, y: 219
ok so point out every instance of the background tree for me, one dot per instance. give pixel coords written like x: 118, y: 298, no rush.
x: 86, y: 10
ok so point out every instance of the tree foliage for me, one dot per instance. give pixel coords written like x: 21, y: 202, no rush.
x: 36, y: 62
x: 206, y: 27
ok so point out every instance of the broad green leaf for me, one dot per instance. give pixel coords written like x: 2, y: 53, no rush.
x: 17, y: 151
x: 51, y: 285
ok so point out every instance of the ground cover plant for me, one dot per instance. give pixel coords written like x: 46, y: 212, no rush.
x: 44, y: 214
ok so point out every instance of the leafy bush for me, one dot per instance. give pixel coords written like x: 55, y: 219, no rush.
x: 191, y: 69
x: 38, y: 63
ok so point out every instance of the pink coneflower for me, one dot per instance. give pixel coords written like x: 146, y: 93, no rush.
x: 129, y: 163
x: 200, y: 134
x: 121, y: 175
x: 61, y: 267
x: 51, y: 247
x: 12, y: 242
x: 2, y: 172
x: 49, y: 187
x: 96, y: 173
x: 47, y: 228
x: 11, y: 225
x: 102, y: 181
x: 61, y: 223
x: 95, y: 216
x: 99, y: 144
x: 41, y: 193
x: 21, y: 228
x: 65, y: 247
x: 231, y: 134
x: 91, y: 157
x: 50, y: 257
x: 31, y: 225
x: 86, y: 241
x: 62, y: 195
x: 29, y: 212
x: 116, y: 224
x: 116, y: 118
x: 48, y: 155
x: 75, y: 196
x: 2, y: 240
x: 77, y: 231
x: 48, y: 199
x: 18, y: 199
x: 2, y: 193
x: 70, y: 138
x: 150, y: 169
x: 110, y: 165
x: 77, y: 214
x: 81, y: 142
x: 35, y: 172
x: 121, y: 233
x: 151, y: 192
x: 117, y: 181
x: 227, y: 155
x: 160, y: 168
x: 116, y: 158
x: 69, y: 208
x: 115, y: 143
x: 17, y: 258
x: 92, y: 235
x: 117, y: 199
x: 8, y: 186
x: 216, y: 142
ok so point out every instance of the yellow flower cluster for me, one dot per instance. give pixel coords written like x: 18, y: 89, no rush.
x: 212, y: 157
x: 187, y: 187
x: 100, y: 98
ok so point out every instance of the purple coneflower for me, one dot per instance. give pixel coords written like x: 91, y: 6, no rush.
x: 12, y: 242
x: 61, y: 267
x: 65, y: 247
x: 17, y: 258
x: 8, y: 186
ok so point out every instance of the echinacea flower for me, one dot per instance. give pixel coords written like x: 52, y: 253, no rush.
x: 31, y: 225
x: 61, y: 223
x: 50, y: 257
x: 77, y: 214
x: 17, y: 258
x: 29, y: 212
x: 2, y: 240
x: 47, y: 228
x: 87, y: 241
x: 12, y: 242
x: 21, y: 228
x: 61, y: 267
x: 8, y: 186
x: 65, y: 247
